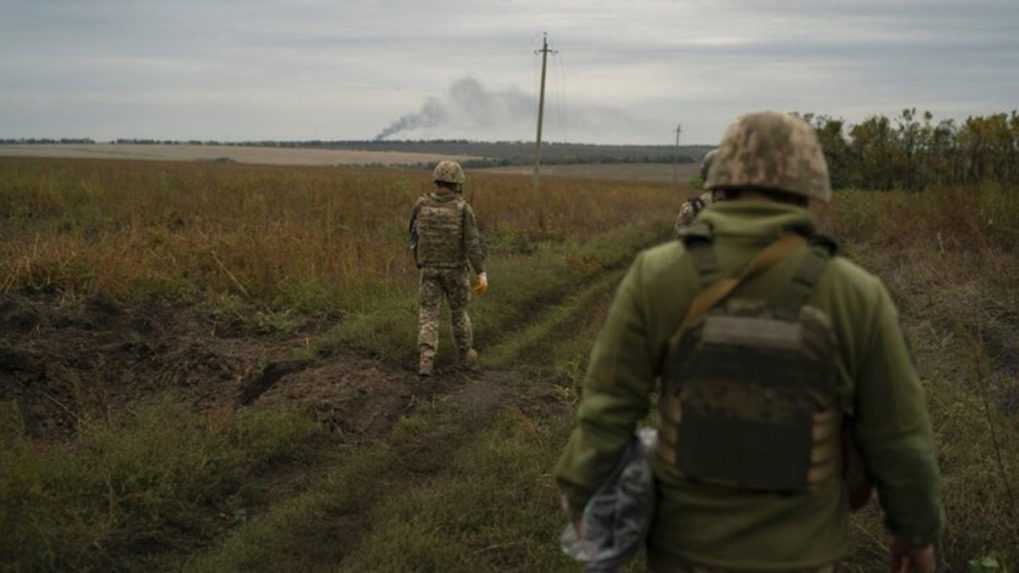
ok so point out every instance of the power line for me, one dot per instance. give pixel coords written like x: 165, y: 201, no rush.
x: 675, y: 163
x: 544, y: 51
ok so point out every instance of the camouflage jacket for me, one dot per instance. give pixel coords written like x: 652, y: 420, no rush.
x: 732, y: 529
x: 690, y: 209
x: 452, y: 245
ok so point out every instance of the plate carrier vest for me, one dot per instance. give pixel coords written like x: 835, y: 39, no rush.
x: 440, y: 229
x: 749, y: 397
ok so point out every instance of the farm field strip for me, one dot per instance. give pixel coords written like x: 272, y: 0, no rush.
x: 240, y: 154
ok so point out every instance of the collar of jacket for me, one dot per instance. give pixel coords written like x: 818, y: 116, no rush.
x: 757, y: 219
x: 443, y: 195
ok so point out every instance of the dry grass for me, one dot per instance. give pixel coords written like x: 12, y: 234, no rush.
x: 643, y: 172
x: 949, y: 258
x: 306, y: 237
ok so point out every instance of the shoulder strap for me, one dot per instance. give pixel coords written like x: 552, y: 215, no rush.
x: 801, y: 288
x: 717, y: 291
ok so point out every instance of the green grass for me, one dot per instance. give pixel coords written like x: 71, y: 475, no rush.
x: 449, y: 498
x: 316, y: 527
x: 494, y: 508
x: 520, y: 287
x: 144, y: 481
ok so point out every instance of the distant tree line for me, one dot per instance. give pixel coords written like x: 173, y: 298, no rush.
x: 489, y: 153
x: 911, y: 152
x: 46, y: 141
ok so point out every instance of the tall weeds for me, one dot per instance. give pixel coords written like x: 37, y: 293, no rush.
x: 277, y: 236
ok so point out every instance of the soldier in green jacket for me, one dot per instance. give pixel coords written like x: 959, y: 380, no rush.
x: 447, y: 245
x: 771, y: 353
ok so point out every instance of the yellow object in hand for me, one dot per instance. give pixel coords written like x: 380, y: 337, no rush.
x: 482, y: 286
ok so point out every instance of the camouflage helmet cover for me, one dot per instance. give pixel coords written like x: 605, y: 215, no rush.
x: 449, y: 172
x: 773, y: 151
x: 706, y: 163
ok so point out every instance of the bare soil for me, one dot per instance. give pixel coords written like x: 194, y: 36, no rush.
x: 61, y: 362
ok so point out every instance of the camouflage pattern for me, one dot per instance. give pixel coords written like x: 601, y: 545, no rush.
x: 449, y: 172
x: 447, y: 246
x: 440, y: 229
x: 773, y: 151
x: 454, y: 286
x: 444, y: 232
x: 690, y: 209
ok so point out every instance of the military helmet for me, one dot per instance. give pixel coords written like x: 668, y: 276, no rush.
x: 706, y: 163
x: 773, y: 151
x: 449, y: 172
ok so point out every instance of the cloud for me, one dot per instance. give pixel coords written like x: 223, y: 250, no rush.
x: 627, y: 71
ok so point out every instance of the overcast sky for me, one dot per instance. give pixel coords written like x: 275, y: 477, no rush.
x: 626, y: 71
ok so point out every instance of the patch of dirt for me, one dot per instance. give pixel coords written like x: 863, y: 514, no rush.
x: 354, y: 397
x: 62, y: 362
x: 59, y: 362
x: 360, y: 399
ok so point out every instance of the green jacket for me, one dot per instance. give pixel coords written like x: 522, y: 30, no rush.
x: 720, y: 527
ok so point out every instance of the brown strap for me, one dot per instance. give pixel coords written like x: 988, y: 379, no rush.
x: 709, y: 297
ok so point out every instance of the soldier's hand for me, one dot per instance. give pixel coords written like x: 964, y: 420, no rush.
x: 482, y: 287
x: 907, y: 558
x: 577, y: 520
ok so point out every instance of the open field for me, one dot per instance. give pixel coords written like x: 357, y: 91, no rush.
x: 642, y: 172
x: 209, y: 367
x: 258, y: 155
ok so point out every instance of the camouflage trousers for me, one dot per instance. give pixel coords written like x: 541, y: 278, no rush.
x: 453, y: 285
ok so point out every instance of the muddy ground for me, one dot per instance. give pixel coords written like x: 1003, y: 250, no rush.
x: 65, y: 362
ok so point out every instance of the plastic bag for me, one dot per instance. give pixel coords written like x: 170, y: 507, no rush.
x: 617, y: 518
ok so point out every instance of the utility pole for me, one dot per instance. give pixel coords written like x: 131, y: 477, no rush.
x: 675, y: 163
x: 544, y: 51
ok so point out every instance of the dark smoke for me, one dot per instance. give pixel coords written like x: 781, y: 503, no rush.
x: 432, y: 114
x: 467, y: 103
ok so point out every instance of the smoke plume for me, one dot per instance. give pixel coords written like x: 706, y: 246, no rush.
x: 467, y: 104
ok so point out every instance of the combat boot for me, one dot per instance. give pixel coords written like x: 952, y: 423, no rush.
x: 426, y: 366
x: 469, y: 360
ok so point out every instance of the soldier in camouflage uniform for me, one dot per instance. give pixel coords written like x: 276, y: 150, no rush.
x: 689, y: 210
x: 447, y: 246
x: 777, y: 360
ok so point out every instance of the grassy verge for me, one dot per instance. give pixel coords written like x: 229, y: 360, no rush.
x: 495, y: 506
x: 142, y: 482
x: 455, y: 488
x: 318, y: 526
x: 949, y: 259
x: 521, y: 287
